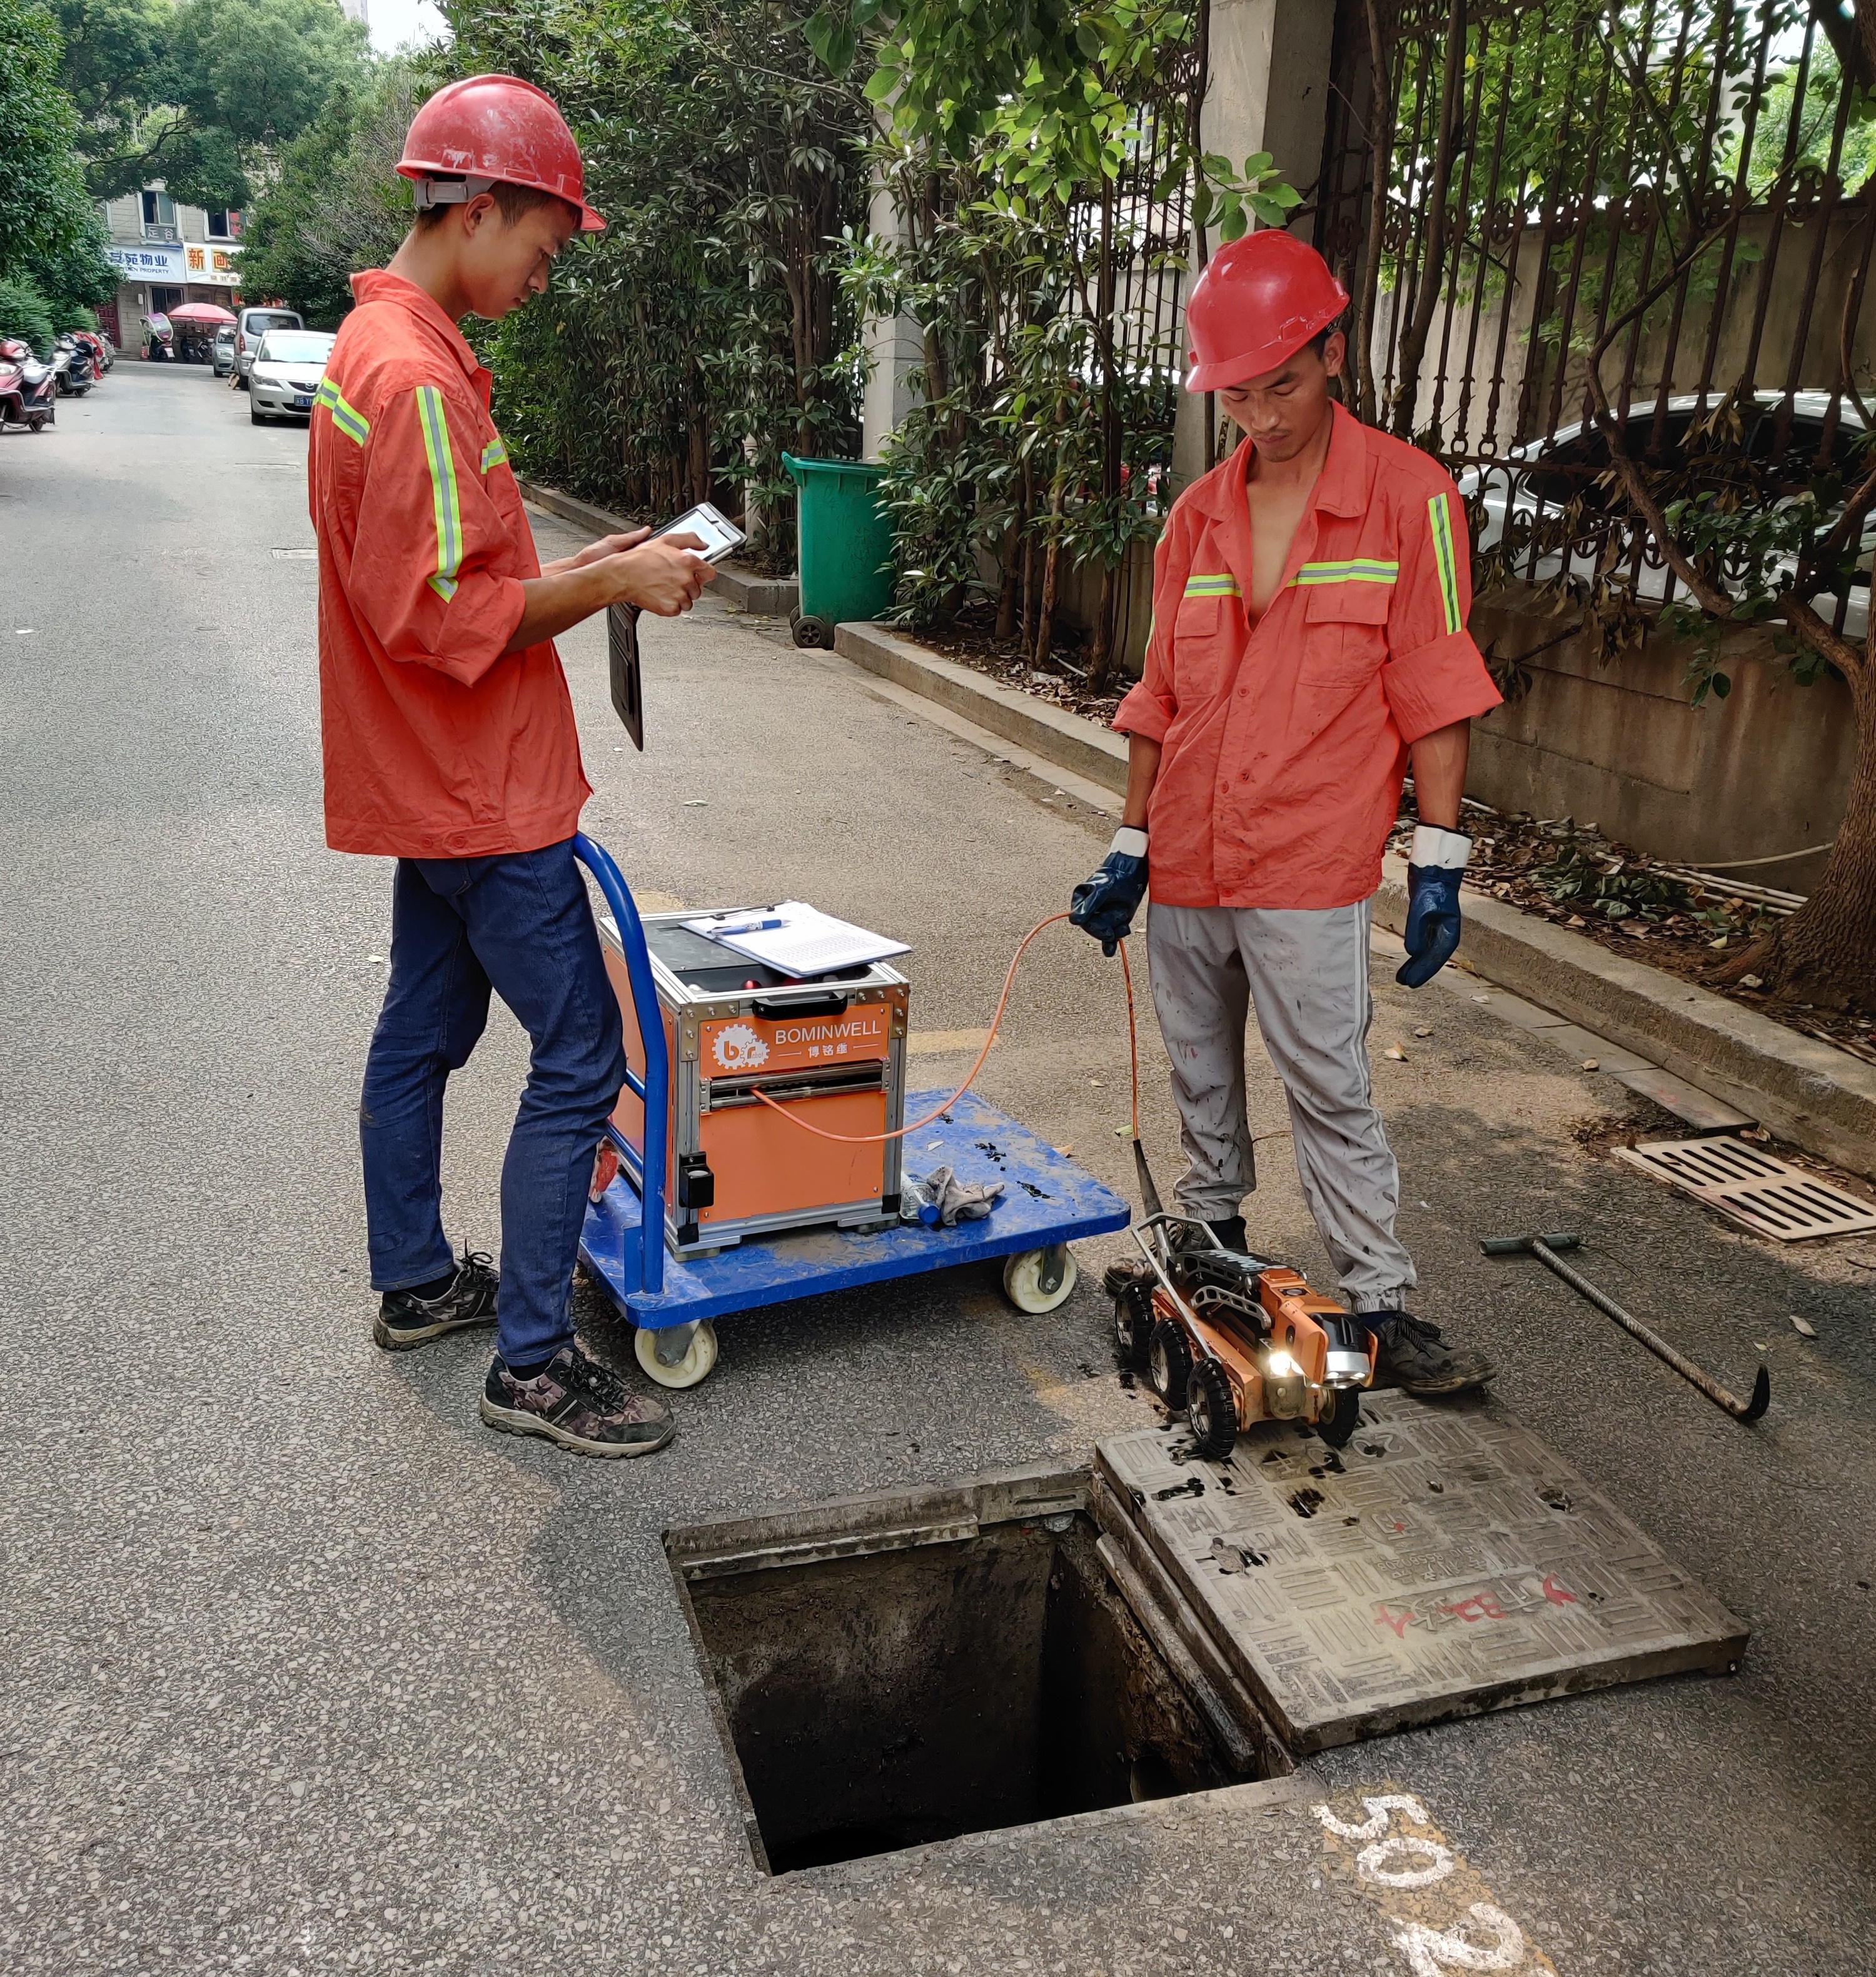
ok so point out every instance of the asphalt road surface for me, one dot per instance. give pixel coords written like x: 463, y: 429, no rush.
x: 304, y: 1671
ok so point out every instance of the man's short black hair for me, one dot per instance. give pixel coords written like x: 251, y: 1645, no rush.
x: 512, y: 201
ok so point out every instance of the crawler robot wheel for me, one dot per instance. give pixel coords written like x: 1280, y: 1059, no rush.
x: 1211, y: 1409
x: 692, y: 1364
x: 1341, y: 1415
x: 1037, y: 1280
x: 1169, y: 1363
x: 1133, y: 1327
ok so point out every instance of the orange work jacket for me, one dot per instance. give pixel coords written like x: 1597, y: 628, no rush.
x: 438, y: 743
x: 1285, y: 743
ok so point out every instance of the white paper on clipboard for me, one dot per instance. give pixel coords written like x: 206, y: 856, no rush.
x: 809, y: 941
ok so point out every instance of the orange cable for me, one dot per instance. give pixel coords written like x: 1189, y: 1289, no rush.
x: 869, y: 1139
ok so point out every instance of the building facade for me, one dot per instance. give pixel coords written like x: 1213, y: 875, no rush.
x: 166, y: 254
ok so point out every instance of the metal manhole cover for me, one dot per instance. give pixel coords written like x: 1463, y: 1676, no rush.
x: 1767, y: 1194
x: 1442, y: 1565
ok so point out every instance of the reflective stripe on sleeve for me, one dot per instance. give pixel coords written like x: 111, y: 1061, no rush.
x: 1351, y: 569
x: 494, y: 455
x: 1224, y: 585
x: 1441, y: 517
x: 351, y: 423
x: 448, y: 510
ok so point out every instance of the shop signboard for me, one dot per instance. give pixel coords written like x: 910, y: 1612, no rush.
x: 215, y: 262
x: 146, y: 261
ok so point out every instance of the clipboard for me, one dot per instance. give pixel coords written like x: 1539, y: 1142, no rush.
x: 622, y: 649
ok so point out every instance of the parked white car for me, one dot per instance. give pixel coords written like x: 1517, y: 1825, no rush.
x: 1538, y: 479
x: 288, y: 367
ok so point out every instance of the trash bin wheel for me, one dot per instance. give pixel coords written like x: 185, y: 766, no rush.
x: 1169, y: 1363
x: 1211, y: 1409
x: 811, y: 630
x: 699, y: 1357
x: 1038, y: 1280
x: 1341, y: 1416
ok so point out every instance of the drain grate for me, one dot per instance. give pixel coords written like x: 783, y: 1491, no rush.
x: 1766, y: 1194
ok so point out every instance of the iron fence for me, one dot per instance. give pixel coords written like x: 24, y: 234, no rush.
x: 1537, y: 204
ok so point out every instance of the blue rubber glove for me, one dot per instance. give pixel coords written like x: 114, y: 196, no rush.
x: 1435, y: 868
x: 1104, y: 905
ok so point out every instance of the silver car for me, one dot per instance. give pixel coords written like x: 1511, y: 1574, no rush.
x: 224, y: 349
x: 251, y: 325
x: 1535, y: 481
x: 287, y: 368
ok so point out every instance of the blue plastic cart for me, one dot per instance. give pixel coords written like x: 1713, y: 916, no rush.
x: 675, y: 1301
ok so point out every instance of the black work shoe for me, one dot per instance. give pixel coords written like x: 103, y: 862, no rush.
x: 406, y: 1319
x: 1230, y: 1231
x: 579, y: 1404
x: 1412, y: 1357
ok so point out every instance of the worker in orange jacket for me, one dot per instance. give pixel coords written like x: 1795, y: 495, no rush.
x: 1308, y: 641
x: 449, y: 745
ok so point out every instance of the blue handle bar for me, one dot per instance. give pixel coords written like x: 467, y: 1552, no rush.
x: 654, y: 1087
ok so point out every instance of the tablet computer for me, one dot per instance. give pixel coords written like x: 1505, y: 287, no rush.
x: 622, y: 648
x: 718, y: 533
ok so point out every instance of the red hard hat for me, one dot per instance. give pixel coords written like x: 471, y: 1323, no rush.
x: 498, y: 128
x: 1260, y: 299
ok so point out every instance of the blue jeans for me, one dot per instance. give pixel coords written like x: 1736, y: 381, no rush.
x: 519, y: 923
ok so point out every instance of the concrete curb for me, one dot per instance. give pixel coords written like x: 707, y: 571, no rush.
x: 741, y: 590
x: 1819, y: 1098
x: 1065, y: 739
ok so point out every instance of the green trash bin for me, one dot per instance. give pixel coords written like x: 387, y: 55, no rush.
x: 845, y: 546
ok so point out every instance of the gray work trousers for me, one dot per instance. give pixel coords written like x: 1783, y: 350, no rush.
x: 1306, y: 973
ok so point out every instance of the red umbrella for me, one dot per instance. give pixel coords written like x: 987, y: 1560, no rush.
x: 200, y: 312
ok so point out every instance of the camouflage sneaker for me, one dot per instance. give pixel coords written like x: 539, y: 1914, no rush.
x: 579, y: 1404
x: 1229, y: 1230
x: 404, y: 1319
x: 1413, y: 1358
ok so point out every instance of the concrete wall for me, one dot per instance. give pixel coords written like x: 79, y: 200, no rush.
x: 1764, y: 771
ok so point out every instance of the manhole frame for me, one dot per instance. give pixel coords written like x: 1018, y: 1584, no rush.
x: 879, y: 1522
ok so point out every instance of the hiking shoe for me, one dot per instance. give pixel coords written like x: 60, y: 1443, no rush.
x: 579, y: 1404
x: 404, y: 1319
x: 1412, y: 1357
x: 1230, y: 1231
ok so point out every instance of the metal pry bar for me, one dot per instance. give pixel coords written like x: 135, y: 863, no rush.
x: 1544, y: 1248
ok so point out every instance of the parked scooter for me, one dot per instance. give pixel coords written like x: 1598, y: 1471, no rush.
x: 99, y: 349
x: 71, y: 365
x: 159, y: 339
x: 28, y: 389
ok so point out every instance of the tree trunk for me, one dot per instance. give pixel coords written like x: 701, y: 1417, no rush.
x: 1009, y: 596
x: 1826, y: 953
x: 1101, y: 660
x: 1432, y: 267
x: 1045, y: 617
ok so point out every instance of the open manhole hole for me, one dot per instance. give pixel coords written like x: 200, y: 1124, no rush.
x: 890, y: 1670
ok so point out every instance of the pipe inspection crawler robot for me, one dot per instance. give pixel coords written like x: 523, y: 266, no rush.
x: 1235, y: 1339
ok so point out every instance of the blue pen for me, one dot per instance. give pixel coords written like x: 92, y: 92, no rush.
x: 748, y: 926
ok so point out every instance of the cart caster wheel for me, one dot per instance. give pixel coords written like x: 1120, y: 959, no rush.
x: 1211, y: 1409
x: 809, y: 631
x: 1169, y: 1364
x: 1341, y: 1416
x: 1038, y: 1280
x: 693, y: 1363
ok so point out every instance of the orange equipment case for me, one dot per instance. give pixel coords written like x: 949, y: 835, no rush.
x: 832, y: 1046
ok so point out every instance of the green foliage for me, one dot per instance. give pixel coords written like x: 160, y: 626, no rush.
x: 25, y: 313
x: 75, y: 274
x: 1040, y: 82
x: 705, y: 330
x: 41, y: 194
x: 1611, y: 887
x: 335, y: 203
x: 198, y: 94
